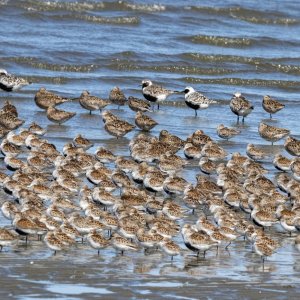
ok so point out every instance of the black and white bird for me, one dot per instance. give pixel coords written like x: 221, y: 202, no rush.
x: 11, y: 83
x: 196, y: 100
x: 155, y: 93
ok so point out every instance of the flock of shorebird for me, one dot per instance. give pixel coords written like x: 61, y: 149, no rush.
x: 141, y: 201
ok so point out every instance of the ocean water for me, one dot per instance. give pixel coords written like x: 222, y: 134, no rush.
x: 217, y: 47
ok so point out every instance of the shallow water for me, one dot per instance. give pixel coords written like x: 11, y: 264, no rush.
x: 218, y: 47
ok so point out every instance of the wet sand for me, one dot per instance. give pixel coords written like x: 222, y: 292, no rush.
x: 35, y: 273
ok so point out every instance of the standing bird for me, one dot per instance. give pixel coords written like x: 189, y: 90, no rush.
x: 196, y: 100
x: 240, y: 106
x: 116, y: 96
x: 59, y: 116
x: 271, y: 105
x: 91, y: 103
x: 155, y: 93
x: 44, y: 99
x: 11, y: 83
x: 272, y: 133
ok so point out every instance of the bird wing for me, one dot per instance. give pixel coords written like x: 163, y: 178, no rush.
x: 198, y: 98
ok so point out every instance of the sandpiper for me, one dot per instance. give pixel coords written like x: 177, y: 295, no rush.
x: 272, y: 133
x: 116, y: 96
x: 213, y: 151
x: 53, y: 242
x: 271, y: 105
x: 9, y: 121
x: 292, y: 146
x: 97, y: 240
x: 207, y: 166
x: 170, y: 247
x: 104, y: 155
x: 240, y: 106
x: 7, y: 238
x: 262, y: 250
x: 121, y: 243
x: 82, y: 142
x: 44, y: 99
x: 282, y: 163
x: 92, y: 103
x: 255, y: 153
x: 11, y: 83
x: 118, y: 128
x: 144, y: 122
x: 36, y: 129
x: 137, y: 104
x: 190, y: 151
x: 227, y: 132
x: 196, y: 100
x: 8, y: 107
x: 155, y: 93
x: 59, y: 116
x: 196, y: 241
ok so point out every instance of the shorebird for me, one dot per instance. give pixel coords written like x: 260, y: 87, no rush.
x: 92, y: 103
x: 137, y: 104
x: 11, y: 83
x: 121, y: 243
x: 59, y: 116
x: 155, y: 93
x: 8, y: 107
x: 196, y: 100
x: 240, y: 106
x: 272, y: 133
x: 144, y: 122
x: 227, y: 132
x: 282, y: 163
x: 170, y: 247
x: 271, y: 105
x: 53, y: 242
x: 263, y: 250
x: 255, y: 153
x: 82, y: 142
x: 44, y: 99
x: 118, y: 127
x: 292, y: 146
x: 116, y: 96
x: 104, y: 155
x: 97, y: 240
x: 191, y: 151
x: 7, y: 238
x: 36, y: 129
x: 9, y: 121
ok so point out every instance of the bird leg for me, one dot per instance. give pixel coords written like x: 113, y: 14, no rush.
x: 228, y: 245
